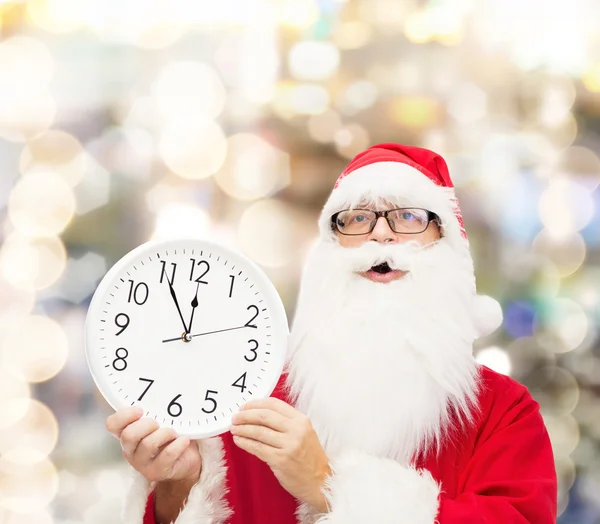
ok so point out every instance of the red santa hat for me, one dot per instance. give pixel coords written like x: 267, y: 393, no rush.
x: 408, y: 176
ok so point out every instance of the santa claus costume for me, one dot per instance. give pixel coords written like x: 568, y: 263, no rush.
x: 416, y: 432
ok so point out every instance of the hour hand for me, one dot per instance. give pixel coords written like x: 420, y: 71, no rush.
x: 194, y: 306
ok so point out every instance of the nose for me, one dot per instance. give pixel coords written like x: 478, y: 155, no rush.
x: 382, y: 232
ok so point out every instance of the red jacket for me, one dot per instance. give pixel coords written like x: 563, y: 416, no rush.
x: 499, y: 471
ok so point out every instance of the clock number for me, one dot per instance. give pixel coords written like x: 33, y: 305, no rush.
x: 133, y: 293
x: 163, y: 271
x: 178, y: 406
x: 232, y: 277
x: 125, y: 323
x: 253, y: 350
x: 123, y: 365
x: 147, y: 388
x: 199, y: 279
x: 211, y: 400
x: 249, y: 324
x: 242, y: 386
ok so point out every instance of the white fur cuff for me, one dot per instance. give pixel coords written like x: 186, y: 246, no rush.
x: 205, y: 504
x: 364, y: 489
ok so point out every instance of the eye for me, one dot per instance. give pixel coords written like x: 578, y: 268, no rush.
x: 407, y: 215
x: 358, y: 218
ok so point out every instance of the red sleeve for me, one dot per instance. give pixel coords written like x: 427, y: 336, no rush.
x: 149, y: 515
x: 511, y: 477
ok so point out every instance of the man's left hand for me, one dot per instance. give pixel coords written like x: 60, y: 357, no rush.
x: 285, y: 440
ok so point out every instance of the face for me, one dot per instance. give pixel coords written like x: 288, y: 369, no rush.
x: 383, y: 234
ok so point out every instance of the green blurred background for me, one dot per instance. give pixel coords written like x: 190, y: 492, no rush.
x: 128, y: 120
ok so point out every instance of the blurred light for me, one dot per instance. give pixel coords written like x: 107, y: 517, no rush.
x: 94, y: 189
x: 322, y: 128
x: 556, y: 100
x: 253, y: 168
x: 351, y: 140
x: 189, y: 88
x: 41, y: 204
x: 126, y: 151
x: 26, y: 108
x: 12, y: 388
x: 519, y: 319
x: 313, y: 60
x: 358, y: 96
x: 37, y: 517
x: 564, y: 434
x: 299, y: 14
x: 181, y: 221
x: 415, y: 111
x: 55, y: 151
x: 81, y: 277
x: 266, y: 233
x: 582, y: 164
x: 13, y: 300
x: 34, y: 435
x: 27, y: 488
x: 110, y: 483
x: 567, y: 319
x: 193, y: 147
x: 32, y: 262
x: 56, y: 16
x: 467, y: 103
x: 353, y: 34
x: 442, y: 23
x: 564, y: 134
x: 555, y: 388
x: 591, y: 78
x: 494, y: 358
x: 33, y: 346
x: 565, y: 207
x: 567, y: 253
x: 301, y: 99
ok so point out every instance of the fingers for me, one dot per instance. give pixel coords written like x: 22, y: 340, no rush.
x: 152, y: 445
x: 133, y: 434
x: 261, y: 417
x: 261, y: 434
x: 118, y: 421
x: 271, y: 403
x: 254, y: 447
x: 167, y: 457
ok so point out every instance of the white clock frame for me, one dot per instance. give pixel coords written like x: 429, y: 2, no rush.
x: 101, y: 313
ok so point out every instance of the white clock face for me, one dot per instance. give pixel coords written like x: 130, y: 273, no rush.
x: 189, y: 330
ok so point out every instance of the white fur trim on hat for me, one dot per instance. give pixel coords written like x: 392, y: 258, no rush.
x: 401, y: 184
x: 367, y: 489
x: 487, y: 313
x: 205, y: 504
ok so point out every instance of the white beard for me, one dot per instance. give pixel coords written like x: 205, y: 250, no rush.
x: 383, y: 368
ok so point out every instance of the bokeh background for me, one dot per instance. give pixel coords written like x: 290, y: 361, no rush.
x: 128, y: 120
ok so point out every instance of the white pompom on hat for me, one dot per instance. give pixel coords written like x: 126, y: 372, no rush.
x: 412, y: 177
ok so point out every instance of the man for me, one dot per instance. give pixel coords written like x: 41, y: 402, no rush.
x: 383, y: 415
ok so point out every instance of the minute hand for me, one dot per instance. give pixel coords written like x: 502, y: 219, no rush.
x: 177, y: 305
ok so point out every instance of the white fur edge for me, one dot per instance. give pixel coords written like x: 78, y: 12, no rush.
x: 365, y: 488
x: 394, y: 180
x: 206, y: 503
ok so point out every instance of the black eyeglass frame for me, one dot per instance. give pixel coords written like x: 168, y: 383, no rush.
x: 431, y: 217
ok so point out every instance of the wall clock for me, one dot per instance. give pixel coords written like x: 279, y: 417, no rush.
x: 189, y: 330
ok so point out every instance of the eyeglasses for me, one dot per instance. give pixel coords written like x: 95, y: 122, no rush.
x: 406, y: 220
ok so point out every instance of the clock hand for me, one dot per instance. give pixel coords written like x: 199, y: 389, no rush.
x: 207, y: 333
x: 194, y: 306
x: 176, y: 303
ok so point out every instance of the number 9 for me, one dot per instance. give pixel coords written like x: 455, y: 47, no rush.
x: 122, y: 326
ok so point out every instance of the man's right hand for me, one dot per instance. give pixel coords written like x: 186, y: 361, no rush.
x: 157, y: 453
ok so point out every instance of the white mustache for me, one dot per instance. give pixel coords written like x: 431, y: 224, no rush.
x: 403, y: 257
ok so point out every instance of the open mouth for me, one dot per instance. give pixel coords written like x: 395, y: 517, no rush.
x: 382, y: 269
